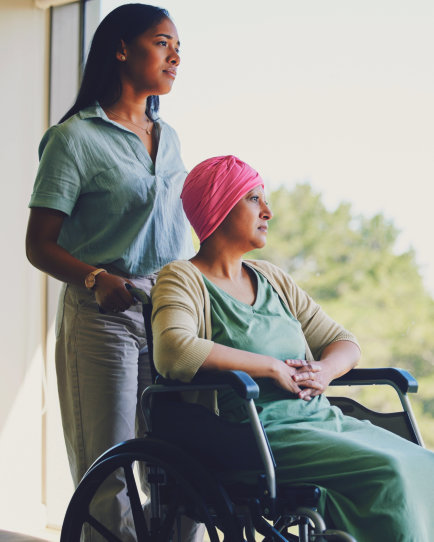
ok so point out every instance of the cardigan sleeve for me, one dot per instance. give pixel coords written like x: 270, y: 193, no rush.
x: 178, y: 325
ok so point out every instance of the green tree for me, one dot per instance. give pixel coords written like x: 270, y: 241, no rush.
x: 350, y: 265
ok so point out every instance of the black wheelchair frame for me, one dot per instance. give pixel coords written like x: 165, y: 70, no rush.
x: 186, y: 473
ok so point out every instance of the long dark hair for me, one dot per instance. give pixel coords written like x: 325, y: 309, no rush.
x: 101, y: 80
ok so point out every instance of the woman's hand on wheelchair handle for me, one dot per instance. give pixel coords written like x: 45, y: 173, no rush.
x: 111, y: 293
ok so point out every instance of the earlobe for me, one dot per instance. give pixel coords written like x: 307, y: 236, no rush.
x: 121, y: 53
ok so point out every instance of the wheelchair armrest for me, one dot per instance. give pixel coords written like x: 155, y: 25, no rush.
x: 398, y: 378
x: 245, y: 387
x: 239, y: 381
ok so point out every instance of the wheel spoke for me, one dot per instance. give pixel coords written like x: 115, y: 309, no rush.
x: 101, y: 529
x: 172, y: 512
x: 187, y: 490
x: 136, y: 505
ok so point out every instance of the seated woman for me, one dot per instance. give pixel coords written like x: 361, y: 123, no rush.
x: 218, y: 311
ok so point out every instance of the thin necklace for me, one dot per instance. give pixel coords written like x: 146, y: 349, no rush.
x: 148, y: 121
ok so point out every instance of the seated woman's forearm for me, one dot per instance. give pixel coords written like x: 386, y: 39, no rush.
x: 339, y: 357
x: 224, y: 358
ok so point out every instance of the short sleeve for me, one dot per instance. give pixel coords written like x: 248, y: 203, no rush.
x: 58, y: 181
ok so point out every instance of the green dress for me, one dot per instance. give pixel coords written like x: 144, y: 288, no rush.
x: 375, y: 485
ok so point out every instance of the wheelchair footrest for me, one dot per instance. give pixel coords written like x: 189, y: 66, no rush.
x: 288, y: 497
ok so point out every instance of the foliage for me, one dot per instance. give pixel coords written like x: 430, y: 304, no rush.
x: 349, y: 265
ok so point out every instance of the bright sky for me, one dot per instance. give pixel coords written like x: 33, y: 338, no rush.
x: 336, y: 92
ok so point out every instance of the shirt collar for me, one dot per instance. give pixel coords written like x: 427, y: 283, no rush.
x: 96, y: 111
x: 93, y: 111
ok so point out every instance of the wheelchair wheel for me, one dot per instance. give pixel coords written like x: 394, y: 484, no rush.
x: 179, y: 487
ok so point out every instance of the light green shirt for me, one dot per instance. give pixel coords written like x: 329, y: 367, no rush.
x: 121, y: 208
x: 267, y: 327
x: 181, y: 320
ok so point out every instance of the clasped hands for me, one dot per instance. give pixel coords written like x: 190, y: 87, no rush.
x: 307, y: 379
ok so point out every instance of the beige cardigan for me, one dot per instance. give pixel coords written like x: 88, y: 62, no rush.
x: 181, y: 317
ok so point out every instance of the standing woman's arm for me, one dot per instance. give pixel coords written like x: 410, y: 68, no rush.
x: 46, y: 254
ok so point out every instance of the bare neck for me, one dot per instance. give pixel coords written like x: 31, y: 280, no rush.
x: 131, y: 105
x: 216, y: 260
x: 224, y: 267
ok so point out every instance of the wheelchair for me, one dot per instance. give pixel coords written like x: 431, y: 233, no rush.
x: 187, y: 466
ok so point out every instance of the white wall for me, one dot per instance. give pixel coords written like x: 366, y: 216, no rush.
x: 35, y: 483
x: 24, y: 45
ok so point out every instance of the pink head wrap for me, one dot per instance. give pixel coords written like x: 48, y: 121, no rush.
x: 213, y: 188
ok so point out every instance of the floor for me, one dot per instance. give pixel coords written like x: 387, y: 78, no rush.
x: 46, y: 535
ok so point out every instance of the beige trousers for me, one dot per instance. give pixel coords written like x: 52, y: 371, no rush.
x: 102, y: 368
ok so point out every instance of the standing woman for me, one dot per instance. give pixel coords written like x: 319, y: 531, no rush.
x: 106, y: 211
